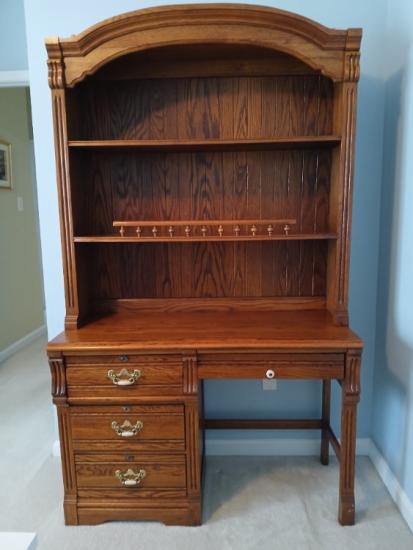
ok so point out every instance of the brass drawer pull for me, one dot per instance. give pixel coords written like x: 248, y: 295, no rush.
x: 127, y: 429
x: 128, y: 381
x: 130, y: 478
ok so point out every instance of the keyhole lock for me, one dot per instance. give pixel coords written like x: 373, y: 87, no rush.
x: 270, y: 374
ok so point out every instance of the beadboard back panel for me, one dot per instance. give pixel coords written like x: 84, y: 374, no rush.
x: 214, y: 107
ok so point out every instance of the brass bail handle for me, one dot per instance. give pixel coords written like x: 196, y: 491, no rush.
x: 130, y: 478
x: 127, y: 429
x: 124, y: 377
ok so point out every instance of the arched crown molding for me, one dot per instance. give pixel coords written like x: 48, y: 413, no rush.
x: 335, y: 53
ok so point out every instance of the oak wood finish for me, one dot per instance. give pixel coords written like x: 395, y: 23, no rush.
x: 128, y: 331
x: 176, y: 128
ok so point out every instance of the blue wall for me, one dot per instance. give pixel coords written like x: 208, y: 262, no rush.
x: 392, y: 426
x: 13, y: 48
x: 51, y: 17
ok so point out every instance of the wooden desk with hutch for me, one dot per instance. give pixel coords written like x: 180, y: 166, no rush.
x: 204, y: 165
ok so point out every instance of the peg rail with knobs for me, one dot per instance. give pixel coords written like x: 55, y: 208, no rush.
x: 224, y: 171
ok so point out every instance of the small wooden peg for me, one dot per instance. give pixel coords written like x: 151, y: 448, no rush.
x: 171, y: 231
x: 220, y: 230
x: 155, y: 231
x: 122, y: 231
x: 254, y: 230
x: 203, y: 230
x: 187, y: 230
x: 237, y: 230
x: 138, y: 231
x: 286, y: 229
x: 270, y: 229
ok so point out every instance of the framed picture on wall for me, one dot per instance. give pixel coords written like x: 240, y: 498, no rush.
x: 5, y: 165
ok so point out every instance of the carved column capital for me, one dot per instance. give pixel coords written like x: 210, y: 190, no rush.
x: 351, y: 383
x: 190, y: 382
x: 58, y: 372
x: 55, y: 64
x: 352, y: 66
x: 56, y: 73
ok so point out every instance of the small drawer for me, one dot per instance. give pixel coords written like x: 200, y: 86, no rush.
x: 130, y: 472
x: 100, y: 377
x: 128, y: 423
x: 310, y: 366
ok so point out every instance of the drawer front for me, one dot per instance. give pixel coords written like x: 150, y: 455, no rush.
x: 271, y: 365
x: 128, y: 424
x: 139, y: 473
x: 100, y: 377
x: 123, y: 360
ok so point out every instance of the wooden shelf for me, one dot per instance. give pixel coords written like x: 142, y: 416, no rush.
x: 199, y: 239
x: 209, y: 144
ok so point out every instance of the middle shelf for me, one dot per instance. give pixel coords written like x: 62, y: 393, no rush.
x: 141, y: 231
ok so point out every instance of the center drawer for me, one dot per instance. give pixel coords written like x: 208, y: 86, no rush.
x: 112, y: 471
x: 310, y: 366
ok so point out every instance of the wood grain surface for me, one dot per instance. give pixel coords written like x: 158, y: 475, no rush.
x: 208, y: 329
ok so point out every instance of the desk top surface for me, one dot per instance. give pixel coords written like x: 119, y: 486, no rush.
x: 207, y: 330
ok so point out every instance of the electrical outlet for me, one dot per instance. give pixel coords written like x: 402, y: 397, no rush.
x: 20, y: 205
x: 269, y: 384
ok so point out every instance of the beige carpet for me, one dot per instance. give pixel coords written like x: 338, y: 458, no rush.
x: 249, y: 503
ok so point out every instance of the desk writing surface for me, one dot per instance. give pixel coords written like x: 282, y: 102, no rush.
x: 209, y: 330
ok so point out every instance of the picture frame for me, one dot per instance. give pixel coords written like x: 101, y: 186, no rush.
x: 5, y: 165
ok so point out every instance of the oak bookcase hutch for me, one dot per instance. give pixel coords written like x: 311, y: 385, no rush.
x: 204, y: 166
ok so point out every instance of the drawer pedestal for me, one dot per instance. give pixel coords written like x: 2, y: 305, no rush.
x: 131, y: 426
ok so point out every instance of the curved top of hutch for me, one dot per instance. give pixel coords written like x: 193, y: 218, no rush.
x: 334, y: 53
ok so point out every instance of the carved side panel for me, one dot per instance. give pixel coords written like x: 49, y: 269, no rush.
x: 350, y: 398
x: 192, y: 425
x: 56, y: 75
x: 63, y: 184
x: 59, y: 393
x: 68, y: 468
x: 193, y: 449
x: 338, y: 295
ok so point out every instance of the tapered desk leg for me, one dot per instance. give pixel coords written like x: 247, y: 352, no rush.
x: 350, y: 398
x: 325, y: 440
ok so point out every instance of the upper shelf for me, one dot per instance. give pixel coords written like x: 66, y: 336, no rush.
x: 209, y: 144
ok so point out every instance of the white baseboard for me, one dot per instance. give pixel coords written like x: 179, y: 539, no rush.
x: 9, y: 79
x: 402, y: 501
x: 273, y: 447
x: 23, y: 342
